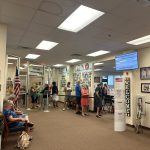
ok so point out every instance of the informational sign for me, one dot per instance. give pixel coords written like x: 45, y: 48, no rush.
x: 36, y: 71
x: 127, y: 96
x: 119, y: 115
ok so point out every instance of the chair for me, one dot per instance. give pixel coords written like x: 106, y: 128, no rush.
x: 8, y: 130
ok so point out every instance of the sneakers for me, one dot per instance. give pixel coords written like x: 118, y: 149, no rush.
x: 98, y: 116
x: 30, y: 124
x: 78, y: 112
x: 63, y: 109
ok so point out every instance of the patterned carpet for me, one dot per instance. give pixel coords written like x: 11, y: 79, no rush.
x: 64, y: 130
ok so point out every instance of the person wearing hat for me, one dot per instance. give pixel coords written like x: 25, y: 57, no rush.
x: 98, y: 97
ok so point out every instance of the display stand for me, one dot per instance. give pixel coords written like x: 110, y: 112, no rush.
x: 46, y: 100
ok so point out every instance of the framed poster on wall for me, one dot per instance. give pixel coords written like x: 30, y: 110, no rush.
x: 145, y: 73
x: 145, y: 87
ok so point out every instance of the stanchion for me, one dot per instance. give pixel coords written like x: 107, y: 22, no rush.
x: 46, y: 101
x: 27, y: 103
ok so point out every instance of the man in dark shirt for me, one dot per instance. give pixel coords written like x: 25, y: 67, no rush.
x: 98, y: 96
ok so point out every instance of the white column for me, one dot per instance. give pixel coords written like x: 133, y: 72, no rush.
x: 119, y: 115
x: 3, y: 37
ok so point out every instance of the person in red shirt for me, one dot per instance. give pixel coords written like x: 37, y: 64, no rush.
x: 84, y: 99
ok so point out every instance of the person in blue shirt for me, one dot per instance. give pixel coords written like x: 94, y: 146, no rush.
x: 78, y: 96
x: 18, y: 120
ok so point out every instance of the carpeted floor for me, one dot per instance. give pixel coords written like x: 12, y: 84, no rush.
x: 64, y: 130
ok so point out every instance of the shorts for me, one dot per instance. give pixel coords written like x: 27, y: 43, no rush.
x: 33, y: 99
x: 78, y: 100
x: 55, y: 97
x: 67, y: 98
x: 98, y: 102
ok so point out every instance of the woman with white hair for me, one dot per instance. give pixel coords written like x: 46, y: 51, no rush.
x: 18, y: 121
x: 84, y: 99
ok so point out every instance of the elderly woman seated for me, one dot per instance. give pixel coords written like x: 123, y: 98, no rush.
x: 18, y: 120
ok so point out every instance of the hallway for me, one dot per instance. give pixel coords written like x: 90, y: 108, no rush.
x: 63, y: 130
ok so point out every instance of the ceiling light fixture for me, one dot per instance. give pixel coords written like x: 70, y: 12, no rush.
x: 73, y: 60
x: 32, y: 56
x: 21, y: 68
x: 46, y: 45
x: 97, y: 64
x: 58, y: 65
x: 97, y: 69
x: 10, y: 63
x: 14, y: 58
x: 142, y: 40
x: 98, y: 53
x: 80, y: 18
x: 34, y: 65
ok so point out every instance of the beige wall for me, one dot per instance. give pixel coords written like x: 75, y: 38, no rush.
x: 144, y: 61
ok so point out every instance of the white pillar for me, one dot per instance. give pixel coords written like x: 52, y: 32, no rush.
x: 3, y: 38
x: 119, y: 114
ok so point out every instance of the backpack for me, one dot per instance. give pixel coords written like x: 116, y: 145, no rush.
x: 23, y: 140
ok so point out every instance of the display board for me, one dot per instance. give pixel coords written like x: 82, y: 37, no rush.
x: 83, y: 73
x: 127, y: 96
x: 63, y: 81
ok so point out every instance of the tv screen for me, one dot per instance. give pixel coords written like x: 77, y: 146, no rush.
x: 128, y: 61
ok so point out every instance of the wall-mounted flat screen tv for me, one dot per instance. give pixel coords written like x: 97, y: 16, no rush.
x: 128, y: 61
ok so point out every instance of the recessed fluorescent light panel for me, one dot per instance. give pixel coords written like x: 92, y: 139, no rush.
x: 142, y: 40
x: 46, y: 45
x: 73, y: 60
x: 97, y: 64
x: 80, y: 18
x: 32, y: 56
x: 14, y: 58
x: 10, y: 63
x: 98, y: 53
x: 58, y: 65
x: 97, y: 69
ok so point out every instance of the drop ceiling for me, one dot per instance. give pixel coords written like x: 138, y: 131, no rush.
x: 31, y: 21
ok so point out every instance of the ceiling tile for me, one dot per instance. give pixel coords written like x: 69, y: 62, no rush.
x: 13, y: 22
x: 39, y: 29
x: 31, y: 40
x: 59, y: 7
x: 17, y: 11
x: 14, y: 31
x: 47, y: 19
x: 28, y: 3
x: 102, y: 5
x: 130, y: 9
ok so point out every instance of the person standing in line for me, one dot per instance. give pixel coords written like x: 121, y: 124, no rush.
x: 98, y: 99
x: 33, y: 97
x: 84, y: 99
x: 78, y: 97
x: 67, y: 91
x: 45, y: 91
x: 55, y: 94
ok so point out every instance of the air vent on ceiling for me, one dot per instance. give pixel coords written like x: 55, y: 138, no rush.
x: 24, y: 47
x: 144, y: 3
x: 76, y: 55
